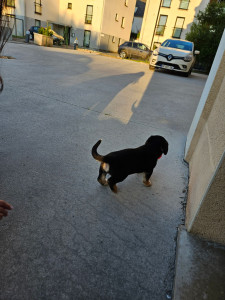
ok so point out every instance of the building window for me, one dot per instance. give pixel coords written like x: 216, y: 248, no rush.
x: 37, y: 23
x: 184, y: 4
x: 178, y: 27
x: 89, y: 14
x: 117, y: 18
x: 161, y: 25
x: 126, y: 3
x: 38, y: 7
x: 69, y: 6
x: 113, y: 39
x: 10, y: 3
x: 123, y: 22
x: 166, y: 3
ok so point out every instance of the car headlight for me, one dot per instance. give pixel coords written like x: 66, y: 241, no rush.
x: 188, y: 57
x: 155, y: 52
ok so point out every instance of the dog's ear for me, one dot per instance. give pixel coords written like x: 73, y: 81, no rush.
x: 149, y: 140
x: 164, y: 146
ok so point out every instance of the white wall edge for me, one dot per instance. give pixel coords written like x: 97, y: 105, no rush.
x: 205, y: 93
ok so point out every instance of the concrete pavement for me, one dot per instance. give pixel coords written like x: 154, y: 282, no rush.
x: 200, y: 268
x: 68, y: 237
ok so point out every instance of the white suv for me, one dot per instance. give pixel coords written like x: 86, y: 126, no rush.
x: 175, y: 55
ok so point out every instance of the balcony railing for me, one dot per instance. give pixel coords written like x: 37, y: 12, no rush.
x: 88, y: 19
x: 38, y: 8
x: 10, y: 3
x: 160, y: 30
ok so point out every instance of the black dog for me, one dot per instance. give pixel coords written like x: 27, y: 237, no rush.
x: 120, y: 164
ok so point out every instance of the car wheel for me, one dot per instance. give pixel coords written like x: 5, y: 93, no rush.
x: 187, y: 74
x: 123, y: 54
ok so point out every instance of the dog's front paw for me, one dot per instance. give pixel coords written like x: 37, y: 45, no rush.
x: 102, y: 182
x: 113, y: 188
x: 147, y: 183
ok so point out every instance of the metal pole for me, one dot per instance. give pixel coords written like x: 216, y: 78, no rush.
x: 156, y: 23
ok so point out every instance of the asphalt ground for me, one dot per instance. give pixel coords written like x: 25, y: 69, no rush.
x: 68, y: 237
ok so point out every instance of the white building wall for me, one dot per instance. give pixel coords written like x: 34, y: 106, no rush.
x: 114, y: 31
x: 151, y: 17
x: 76, y: 19
x: 104, y: 26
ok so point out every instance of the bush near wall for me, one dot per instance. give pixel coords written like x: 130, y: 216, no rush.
x: 206, y: 33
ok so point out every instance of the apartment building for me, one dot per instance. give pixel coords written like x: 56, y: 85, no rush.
x: 165, y: 19
x: 98, y: 24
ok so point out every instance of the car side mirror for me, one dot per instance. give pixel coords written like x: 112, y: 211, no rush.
x: 197, y: 52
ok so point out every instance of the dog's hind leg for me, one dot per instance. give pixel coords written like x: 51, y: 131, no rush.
x: 102, y: 176
x: 112, y: 181
x: 146, y: 179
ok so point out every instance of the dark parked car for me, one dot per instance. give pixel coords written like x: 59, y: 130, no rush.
x: 32, y: 30
x: 134, y: 50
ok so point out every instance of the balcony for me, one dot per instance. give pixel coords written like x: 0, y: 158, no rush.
x: 38, y: 8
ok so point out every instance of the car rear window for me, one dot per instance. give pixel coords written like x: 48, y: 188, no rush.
x: 182, y: 45
x: 128, y: 44
x: 142, y: 47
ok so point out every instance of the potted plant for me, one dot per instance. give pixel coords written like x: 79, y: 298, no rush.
x: 44, y: 37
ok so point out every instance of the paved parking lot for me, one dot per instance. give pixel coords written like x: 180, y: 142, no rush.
x: 68, y: 237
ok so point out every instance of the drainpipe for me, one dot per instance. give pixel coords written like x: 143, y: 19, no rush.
x: 99, y: 37
x: 160, y: 3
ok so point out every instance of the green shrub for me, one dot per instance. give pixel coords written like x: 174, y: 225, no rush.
x: 206, y: 32
x: 45, y: 31
x: 41, y: 30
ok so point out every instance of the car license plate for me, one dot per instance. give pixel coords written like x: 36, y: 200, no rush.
x: 167, y: 67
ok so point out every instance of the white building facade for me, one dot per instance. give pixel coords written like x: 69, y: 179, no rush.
x: 98, y: 24
x: 165, y: 19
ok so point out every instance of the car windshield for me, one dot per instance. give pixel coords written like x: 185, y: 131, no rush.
x: 176, y: 44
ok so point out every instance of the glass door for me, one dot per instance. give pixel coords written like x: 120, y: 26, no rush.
x: 87, y: 36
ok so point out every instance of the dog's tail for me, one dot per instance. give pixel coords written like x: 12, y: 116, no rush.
x: 95, y: 153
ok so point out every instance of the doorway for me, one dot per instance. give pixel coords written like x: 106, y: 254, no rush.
x: 87, y: 37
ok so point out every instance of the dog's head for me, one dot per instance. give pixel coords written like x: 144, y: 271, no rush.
x: 159, y: 142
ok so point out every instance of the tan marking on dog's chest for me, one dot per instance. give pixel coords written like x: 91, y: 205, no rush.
x: 105, y: 167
